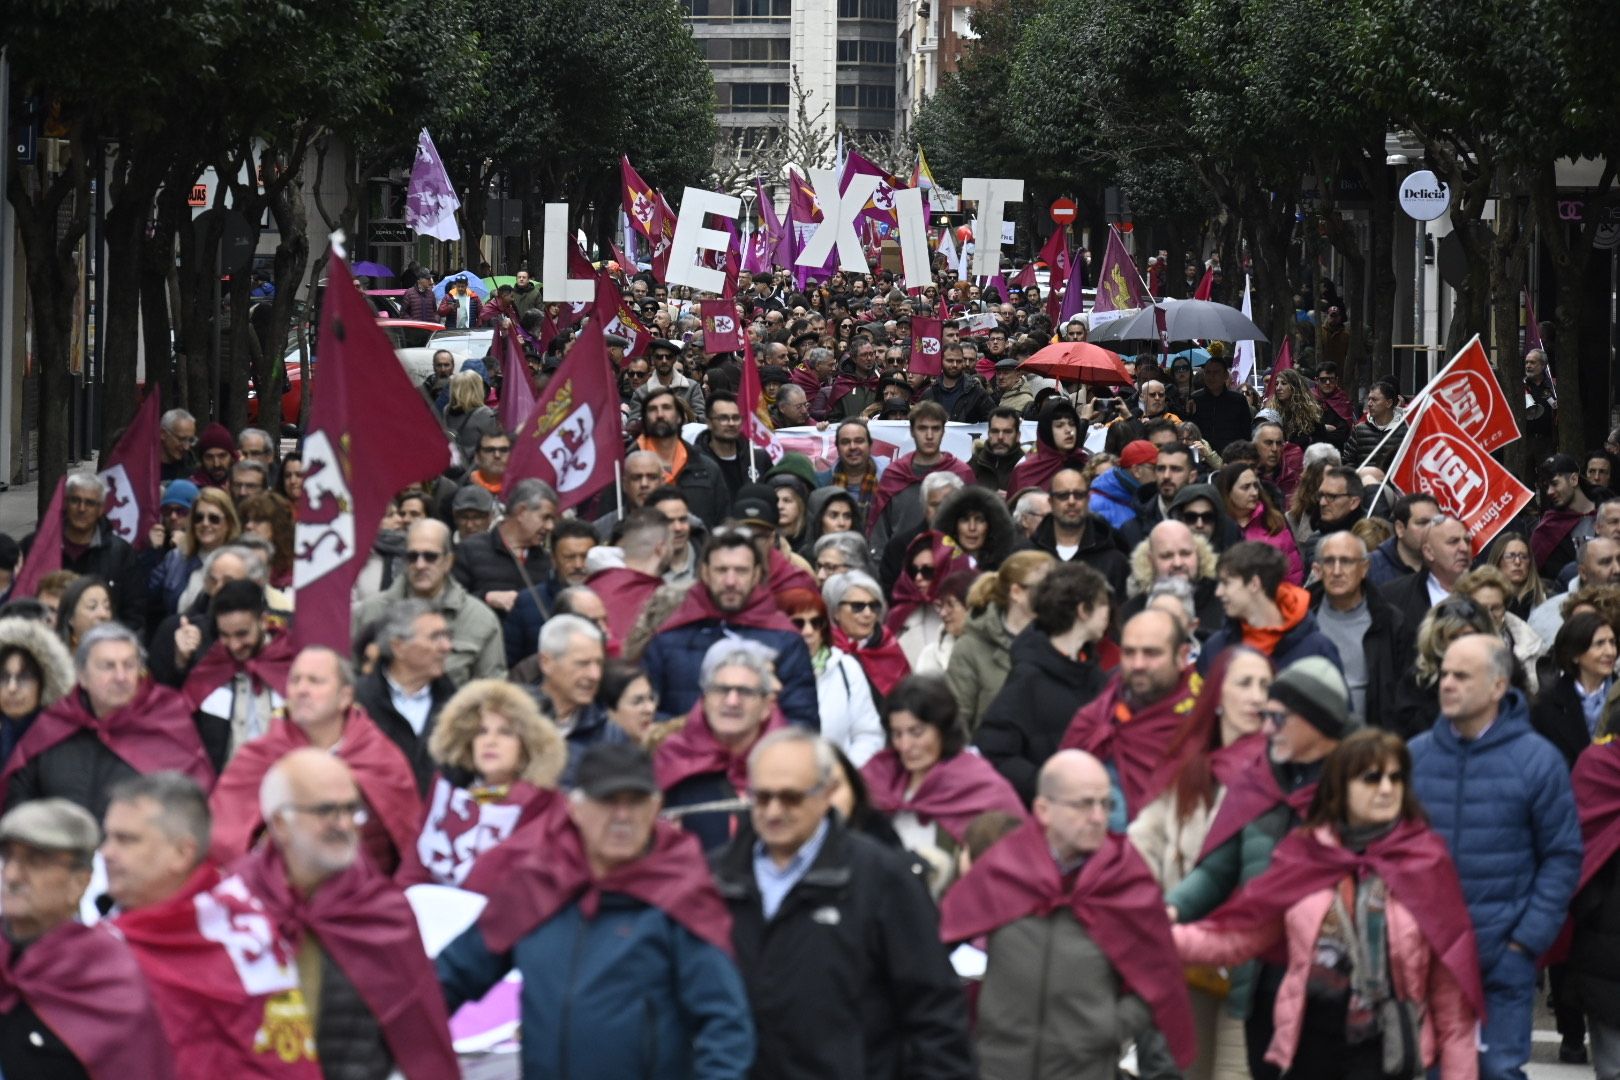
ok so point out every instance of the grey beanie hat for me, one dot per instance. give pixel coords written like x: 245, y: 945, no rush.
x: 1315, y: 689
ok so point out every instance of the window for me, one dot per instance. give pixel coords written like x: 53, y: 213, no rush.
x: 882, y: 10
x: 865, y: 97
x: 756, y: 50
x: 866, y: 52
x: 762, y: 9
x: 699, y: 8
x: 759, y: 95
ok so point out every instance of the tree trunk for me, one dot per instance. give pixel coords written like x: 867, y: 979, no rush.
x: 292, y: 256
x: 1570, y: 249
x: 140, y: 169
x: 156, y: 269
x: 1508, y: 250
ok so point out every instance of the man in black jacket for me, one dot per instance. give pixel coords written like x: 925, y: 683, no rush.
x: 959, y: 393
x: 487, y: 563
x: 836, y: 940
x: 91, y: 546
x: 1373, y: 639
x: 1221, y: 413
x: 1072, y: 532
x: 404, y: 695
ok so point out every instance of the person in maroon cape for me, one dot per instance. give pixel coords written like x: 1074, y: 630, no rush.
x: 705, y: 763
x: 1382, y: 966
x: 1129, y: 723
x: 897, y: 507
x: 649, y: 988
x: 241, y: 679
x: 498, y: 763
x: 359, y: 954
x: 1567, y: 520
x: 855, y: 601
x: 117, y: 722
x: 756, y: 509
x: 645, y: 540
x: 927, y: 780
x: 321, y: 713
x: 222, y: 977
x: 912, y: 618
x: 729, y: 600
x: 1080, y: 954
x: 1592, y: 971
x: 1057, y: 445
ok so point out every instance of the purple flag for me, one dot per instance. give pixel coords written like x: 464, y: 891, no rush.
x: 1074, y: 293
x: 763, y: 244
x: 1119, y: 286
x: 430, y: 201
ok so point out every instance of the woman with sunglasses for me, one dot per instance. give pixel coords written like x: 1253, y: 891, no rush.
x: 855, y: 603
x: 178, y: 578
x: 849, y: 718
x: 912, y: 617
x: 1382, y: 976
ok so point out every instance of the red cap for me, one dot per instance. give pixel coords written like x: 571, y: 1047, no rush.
x: 1138, y: 452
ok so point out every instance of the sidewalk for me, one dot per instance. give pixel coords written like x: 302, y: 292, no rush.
x: 19, y: 510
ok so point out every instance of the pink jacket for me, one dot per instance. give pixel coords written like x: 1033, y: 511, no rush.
x: 1283, y: 541
x: 1449, y: 1025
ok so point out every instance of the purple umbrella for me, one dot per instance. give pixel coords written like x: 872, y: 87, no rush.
x: 370, y: 269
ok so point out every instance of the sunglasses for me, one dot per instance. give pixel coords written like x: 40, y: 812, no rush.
x: 429, y: 557
x: 790, y: 799
x: 1274, y: 717
x: 210, y: 519
x: 498, y: 451
x: 924, y: 572
x: 1198, y: 517
x: 1374, y: 777
x: 804, y: 622
x: 860, y: 607
x: 1066, y: 496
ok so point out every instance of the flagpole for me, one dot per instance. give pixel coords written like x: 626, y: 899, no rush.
x: 1410, y: 420
x: 618, y: 486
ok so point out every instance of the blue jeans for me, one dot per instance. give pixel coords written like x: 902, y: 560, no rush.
x: 1510, y: 1003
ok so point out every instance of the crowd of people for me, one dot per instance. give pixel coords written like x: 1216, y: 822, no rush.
x: 1173, y: 733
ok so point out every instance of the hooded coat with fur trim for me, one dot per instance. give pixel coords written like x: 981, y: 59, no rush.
x: 1003, y: 538
x: 48, y: 652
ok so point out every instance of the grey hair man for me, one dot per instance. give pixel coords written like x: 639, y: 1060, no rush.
x: 177, y: 436
x: 511, y: 558
x: 93, y: 547
x: 409, y: 687
x: 572, y: 654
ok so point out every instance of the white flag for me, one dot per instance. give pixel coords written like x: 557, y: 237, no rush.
x: 430, y: 201
x: 1243, y: 366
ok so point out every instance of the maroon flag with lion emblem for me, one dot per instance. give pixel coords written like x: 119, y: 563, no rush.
x: 365, y: 443
x: 722, y: 328
x: 133, y: 475
x: 927, y: 349
x: 575, y: 434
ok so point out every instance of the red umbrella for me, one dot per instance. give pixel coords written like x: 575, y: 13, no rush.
x: 1079, y: 361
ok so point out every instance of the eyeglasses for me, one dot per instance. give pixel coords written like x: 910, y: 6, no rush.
x: 1375, y: 777
x: 1198, y: 517
x: 639, y: 375
x: 725, y: 690
x: 1274, y: 717
x: 924, y: 572
x: 832, y: 568
x: 1065, y: 496
x: 18, y: 679
x: 859, y: 607
x: 429, y: 557
x: 1515, y: 556
x: 209, y: 519
x: 801, y: 621
x: 498, y: 451
x: 790, y: 799
x: 328, y: 813
x: 1324, y: 496
x: 186, y: 440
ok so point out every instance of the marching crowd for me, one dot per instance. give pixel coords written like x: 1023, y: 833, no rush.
x: 1176, y: 733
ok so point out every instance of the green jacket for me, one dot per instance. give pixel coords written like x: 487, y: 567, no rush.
x: 979, y: 664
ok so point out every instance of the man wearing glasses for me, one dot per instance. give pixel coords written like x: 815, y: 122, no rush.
x: 833, y: 933
x: 90, y: 546
x: 1371, y: 636
x: 177, y: 434
x: 361, y: 964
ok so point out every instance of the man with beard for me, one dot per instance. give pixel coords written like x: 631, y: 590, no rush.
x: 995, y: 457
x: 241, y: 678
x: 854, y: 389
x: 958, y: 392
x: 663, y: 354
x: 1540, y: 405
x: 1071, y: 531
x: 697, y: 475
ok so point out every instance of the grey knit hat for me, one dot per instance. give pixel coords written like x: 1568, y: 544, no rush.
x: 1315, y: 689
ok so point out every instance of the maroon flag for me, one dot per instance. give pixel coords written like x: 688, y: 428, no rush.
x: 616, y: 315
x: 1119, y: 285
x: 1285, y: 361
x: 927, y: 350
x: 570, y: 314
x: 640, y: 202
x: 1532, y: 328
x: 134, y: 475
x: 756, y: 417
x: 663, y: 239
x: 45, y: 555
x: 1206, y: 285
x: 370, y: 434
x: 722, y: 328
x: 1056, y: 257
x: 575, y: 432
x: 517, y: 392
x: 626, y: 267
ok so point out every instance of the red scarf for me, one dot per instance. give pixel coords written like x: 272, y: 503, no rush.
x: 1597, y: 797
x: 1114, y: 897
x: 884, y: 663
x: 1133, y: 740
x: 83, y: 983
x: 694, y: 751
x: 533, y: 879
x: 902, y: 473
x: 1251, y: 790
x: 380, y: 770
x: 907, y: 596
x: 154, y: 732
x: 1036, y: 470
x: 460, y: 829
x: 623, y: 592
x: 365, y: 926
x: 758, y: 612
x: 217, y: 667
x: 219, y: 977
x: 1413, y: 862
x: 955, y: 791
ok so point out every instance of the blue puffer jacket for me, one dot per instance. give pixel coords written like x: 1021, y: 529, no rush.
x: 1113, y: 497
x: 674, y: 657
x: 1504, y: 805
x: 630, y: 994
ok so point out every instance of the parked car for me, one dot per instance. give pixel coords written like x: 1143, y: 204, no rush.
x: 408, y: 338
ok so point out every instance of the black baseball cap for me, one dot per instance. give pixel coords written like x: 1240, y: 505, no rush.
x: 755, y: 504
x: 609, y: 769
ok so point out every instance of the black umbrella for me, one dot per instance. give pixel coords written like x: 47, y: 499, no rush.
x: 1184, y: 320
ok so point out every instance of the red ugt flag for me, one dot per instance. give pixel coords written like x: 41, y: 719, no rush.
x: 1473, y: 396
x: 640, y: 203
x: 927, y: 349
x: 134, y: 475
x: 371, y: 433
x: 575, y: 433
x: 722, y: 329
x: 1440, y: 458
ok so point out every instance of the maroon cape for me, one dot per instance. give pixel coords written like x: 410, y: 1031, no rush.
x: 1550, y: 531
x: 785, y: 574
x: 84, y: 984
x: 380, y: 769
x: 844, y: 383
x: 884, y: 663
x: 365, y: 926
x: 623, y: 592
x: 955, y: 791
x: 460, y: 828
x: 1412, y: 860
x: 1133, y: 741
x: 907, y: 596
x: 902, y: 473
x: 758, y: 612
x: 1244, y: 771
x: 155, y: 731
x: 1114, y: 897
x: 1597, y: 798
x: 200, y: 949
x: 1038, y: 468
x: 694, y: 751
x: 544, y: 870
x: 217, y: 667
